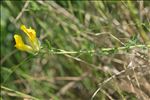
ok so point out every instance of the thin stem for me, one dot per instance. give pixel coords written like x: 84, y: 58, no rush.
x: 101, y: 50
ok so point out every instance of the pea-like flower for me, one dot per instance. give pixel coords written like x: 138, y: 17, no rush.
x: 34, y: 44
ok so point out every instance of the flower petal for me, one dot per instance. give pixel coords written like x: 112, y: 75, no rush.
x: 20, y: 44
x: 30, y: 32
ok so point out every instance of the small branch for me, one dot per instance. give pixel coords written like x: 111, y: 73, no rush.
x: 23, y: 9
x: 106, y: 81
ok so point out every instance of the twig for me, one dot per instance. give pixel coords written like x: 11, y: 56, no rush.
x: 106, y: 81
x: 129, y: 67
x: 23, y: 9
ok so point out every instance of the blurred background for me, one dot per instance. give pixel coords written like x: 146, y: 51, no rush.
x: 65, y: 25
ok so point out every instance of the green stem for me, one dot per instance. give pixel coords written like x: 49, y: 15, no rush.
x: 102, y: 49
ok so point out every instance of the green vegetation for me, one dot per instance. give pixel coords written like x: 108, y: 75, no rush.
x: 89, y: 50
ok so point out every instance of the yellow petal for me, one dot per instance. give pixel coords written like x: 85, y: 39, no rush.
x: 30, y: 32
x: 34, y: 42
x: 20, y: 44
x: 18, y: 39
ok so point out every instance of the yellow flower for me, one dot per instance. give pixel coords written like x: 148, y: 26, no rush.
x: 34, y: 42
